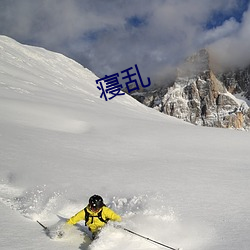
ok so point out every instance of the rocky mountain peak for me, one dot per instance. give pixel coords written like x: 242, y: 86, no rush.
x: 201, y: 97
x: 196, y: 64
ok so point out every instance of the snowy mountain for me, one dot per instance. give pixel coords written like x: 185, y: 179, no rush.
x: 182, y: 185
x: 202, y: 96
x: 237, y: 81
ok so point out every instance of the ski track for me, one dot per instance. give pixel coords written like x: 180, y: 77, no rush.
x: 144, y: 214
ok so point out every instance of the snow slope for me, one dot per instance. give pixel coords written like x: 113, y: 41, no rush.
x: 176, y: 183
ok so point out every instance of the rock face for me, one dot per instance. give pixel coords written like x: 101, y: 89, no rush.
x: 237, y: 81
x: 199, y: 97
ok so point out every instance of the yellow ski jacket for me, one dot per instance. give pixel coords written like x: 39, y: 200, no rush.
x: 94, y: 223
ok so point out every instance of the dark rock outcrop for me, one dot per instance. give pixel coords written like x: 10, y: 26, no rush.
x: 203, y: 98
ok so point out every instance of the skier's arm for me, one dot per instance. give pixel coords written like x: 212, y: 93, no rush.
x: 77, y: 217
x: 110, y: 214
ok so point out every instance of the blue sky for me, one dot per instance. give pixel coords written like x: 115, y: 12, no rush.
x: 218, y: 17
x: 108, y: 36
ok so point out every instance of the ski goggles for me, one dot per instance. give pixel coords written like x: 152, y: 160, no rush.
x: 94, y: 208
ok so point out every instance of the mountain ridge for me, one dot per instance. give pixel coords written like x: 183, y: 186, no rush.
x: 203, y: 96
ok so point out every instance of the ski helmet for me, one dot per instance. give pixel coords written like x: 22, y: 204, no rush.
x: 95, y: 202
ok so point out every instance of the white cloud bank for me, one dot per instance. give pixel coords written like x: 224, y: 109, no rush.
x: 109, y: 36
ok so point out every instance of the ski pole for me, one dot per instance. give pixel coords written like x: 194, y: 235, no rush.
x: 45, y: 228
x: 146, y: 238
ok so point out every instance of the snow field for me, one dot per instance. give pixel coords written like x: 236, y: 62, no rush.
x: 181, y: 185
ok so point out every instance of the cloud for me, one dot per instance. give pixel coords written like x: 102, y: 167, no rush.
x: 233, y: 49
x: 228, y: 28
x: 112, y: 35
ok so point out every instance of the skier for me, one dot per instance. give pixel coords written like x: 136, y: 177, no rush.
x: 95, y: 214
